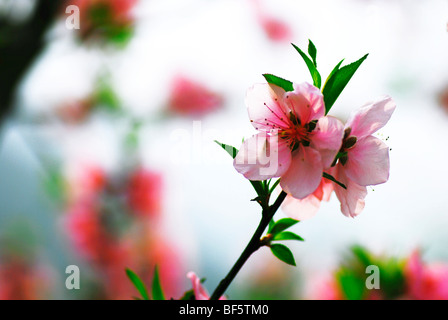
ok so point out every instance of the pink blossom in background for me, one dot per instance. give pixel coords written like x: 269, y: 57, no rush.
x: 296, y: 141
x: 144, y: 192
x: 200, y: 292
x: 274, y: 28
x: 367, y: 158
x: 191, y: 98
x: 22, y: 280
x: 425, y: 282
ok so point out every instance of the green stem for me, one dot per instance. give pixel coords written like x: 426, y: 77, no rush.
x: 253, y: 245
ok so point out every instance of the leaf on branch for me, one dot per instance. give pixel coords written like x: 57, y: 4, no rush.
x: 312, y: 51
x: 287, y: 235
x: 280, y: 82
x: 232, y: 151
x: 283, y: 253
x: 337, y: 81
x: 282, y: 225
x: 311, y: 67
x: 157, y: 292
x: 138, y: 283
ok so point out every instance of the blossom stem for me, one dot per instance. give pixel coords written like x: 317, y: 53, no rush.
x: 253, y: 245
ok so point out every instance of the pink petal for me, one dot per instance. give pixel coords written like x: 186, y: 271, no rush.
x: 352, y: 198
x: 327, y: 138
x: 371, y: 117
x: 306, y: 102
x: 265, y: 107
x: 304, y: 173
x: 199, y: 292
x: 368, y: 162
x: 301, y: 209
x: 263, y: 157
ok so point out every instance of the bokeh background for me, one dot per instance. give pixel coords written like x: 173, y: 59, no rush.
x: 107, y: 157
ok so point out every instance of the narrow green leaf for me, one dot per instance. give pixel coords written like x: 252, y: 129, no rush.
x: 232, y: 151
x: 331, y: 178
x: 280, y: 82
x: 287, y: 235
x: 312, y: 51
x: 283, y: 253
x: 336, y: 68
x: 311, y: 67
x: 157, y: 292
x: 337, y: 82
x: 282, y: 225
x: 138, y: 283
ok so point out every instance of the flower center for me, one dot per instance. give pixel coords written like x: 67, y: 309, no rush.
x: 296, y: 133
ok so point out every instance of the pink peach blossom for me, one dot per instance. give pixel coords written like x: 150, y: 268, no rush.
x: 366, y: 159
x: 190, y: 97
x: 301, y: 209
x: 200, y: 292
x: 275, y: 29
x: 144, y: 192
x: 425, y: 282
x: 296, y: 141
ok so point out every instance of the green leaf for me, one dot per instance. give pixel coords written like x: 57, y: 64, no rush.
x: 283, y: 253
x: 311, y: 67
x: 352, y: 286
x: 157, y: 292
x: 330, y: 177
x: 287, y: 235
x: 188, y: 295
x: 280, y: 82
x: 232, y: 151
x: 138, y: 283
x: 312, y: 51
x: 336, y: 68
x: 282, y: 225
x: 338, y: 80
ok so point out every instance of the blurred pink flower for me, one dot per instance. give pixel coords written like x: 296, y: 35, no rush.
x: 296, y: 141
x: 200, y: 292
x: 274, y: 28
x: 189, y: 97
x: 21, y: 279
x: 144, y: 192
x: 425, y: 282
x: 366, y: 159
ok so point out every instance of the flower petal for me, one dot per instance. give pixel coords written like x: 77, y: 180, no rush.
x: 368, y: 162
x: 301, y: 209
x: 199, y: 291
x: 306, y: 102
x: 352, y: 198
x: 263, y: 157
x: 304, y: 173
x: 266, y: 108
x: 327, y: 139
x: 371, y: 117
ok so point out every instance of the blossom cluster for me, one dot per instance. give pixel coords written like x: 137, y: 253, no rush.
x: 311, y: 152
